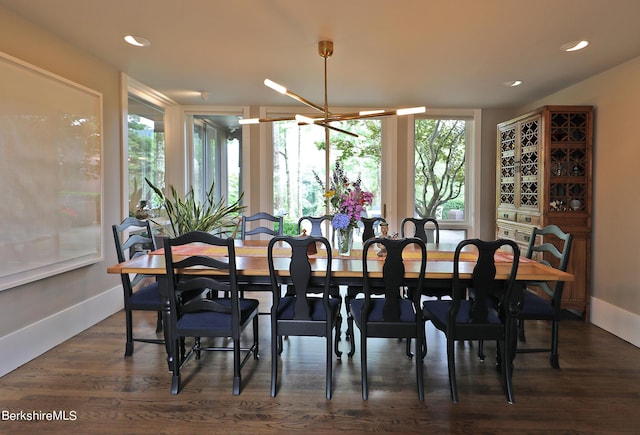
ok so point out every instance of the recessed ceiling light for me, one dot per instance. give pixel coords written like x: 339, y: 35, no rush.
x: 574, y: 45
x: 137, y: 41
x: 512, y: 83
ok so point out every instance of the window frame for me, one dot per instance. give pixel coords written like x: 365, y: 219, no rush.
x: 471, y: 222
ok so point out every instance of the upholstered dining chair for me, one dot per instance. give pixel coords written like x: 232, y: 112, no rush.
x: 207, y: 315
x: 390, y: 315
x: 301, y: 312
x: 554, y: 252
x: 141, y: 293
x: 368, y: 231
x: 461, y: 318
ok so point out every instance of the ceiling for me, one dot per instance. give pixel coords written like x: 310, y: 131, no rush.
x: 387, y: 54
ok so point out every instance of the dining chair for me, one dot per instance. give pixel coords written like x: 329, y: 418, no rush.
x: 314, y: 223
x: 390, y: 315
x: 554, y: 252
x: 368, y: 231
x: 266, y: 225
x: 141, y: 293
x: 210, y: 316
x: 301, y: 312
x: 461, y: 318
x: 369, y: 226
x: 422, y: 228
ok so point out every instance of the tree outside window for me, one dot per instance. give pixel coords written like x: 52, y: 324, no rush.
x: 440, y: 152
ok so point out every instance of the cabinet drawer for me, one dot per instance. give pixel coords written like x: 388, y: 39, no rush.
x: 528, y: 219
x: 506, y: 232
x: 523, y: 237
x: 507, y: 215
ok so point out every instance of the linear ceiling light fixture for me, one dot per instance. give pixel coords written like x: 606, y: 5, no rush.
x: 325, y: 50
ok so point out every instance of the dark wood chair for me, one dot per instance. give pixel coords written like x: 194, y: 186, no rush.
x: 546, y: 305
x: 316, y: 223
x: 141, y: 292
x: 301, y: 312
x: 269, y: 225
x: 266, y: 225
x: 390, y: 315
x: 462, y: 318
x: 369, y: 226
x: 368, y: 231
x: 421, y: 229
x: 207, y: 316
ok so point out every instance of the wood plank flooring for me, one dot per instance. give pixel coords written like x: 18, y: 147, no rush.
x: 597, y: 389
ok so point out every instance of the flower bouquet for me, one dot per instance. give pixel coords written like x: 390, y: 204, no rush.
x: 348, y: 201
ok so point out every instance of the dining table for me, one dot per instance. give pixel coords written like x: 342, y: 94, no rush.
x: 252, y: 266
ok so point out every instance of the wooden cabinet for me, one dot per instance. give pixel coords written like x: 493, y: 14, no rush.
x: 543, y: 177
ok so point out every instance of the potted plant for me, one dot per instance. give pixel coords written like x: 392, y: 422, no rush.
x: 187, y: 214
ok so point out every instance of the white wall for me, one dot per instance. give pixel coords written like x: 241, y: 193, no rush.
x: 40, y: 315
x: 615, y: 304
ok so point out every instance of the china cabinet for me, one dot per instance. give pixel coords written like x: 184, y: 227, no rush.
x: 543, y: 177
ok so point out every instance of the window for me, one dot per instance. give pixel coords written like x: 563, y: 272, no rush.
x: 146, y: 150
x: 215, y: 158
x: 441, y: 149
x: 302, y: 165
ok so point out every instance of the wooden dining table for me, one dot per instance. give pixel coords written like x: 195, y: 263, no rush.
x: 252, y: 266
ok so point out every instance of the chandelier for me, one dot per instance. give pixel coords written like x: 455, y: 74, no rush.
x: 325, y: 50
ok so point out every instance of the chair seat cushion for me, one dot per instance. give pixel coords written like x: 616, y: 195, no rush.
x: 214, y: 320
x: 534, y: 305
x: 438, y: 311
x: 407, y: 313
x: 316, y: 307
x: 147, y: 296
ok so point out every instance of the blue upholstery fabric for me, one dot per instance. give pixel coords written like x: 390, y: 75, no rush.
x: 287, y: 303
x: 212, y: 319
x: 439, y: 311
x: 407, y: 314
x: 148, y: 295
x: 535, y: 305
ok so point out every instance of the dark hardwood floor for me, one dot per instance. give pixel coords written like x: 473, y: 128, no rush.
x: 597, y: 389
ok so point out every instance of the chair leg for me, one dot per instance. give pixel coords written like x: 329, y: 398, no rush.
x: 521, y: 336
x: 419, y: 363
x: 507, y: 370
x: 408, y: 350
x: 329, y: 365
x: 336, y: 346
x: 481, y: 354
x: 159, y: 322
x: 175, y: 368
x: 451, y: 362
x: 553, y: 357
x: 363, y: 365
x: 352, y: 341
x: 236, y: 367
x: 128, y: 349
x: 275, y: 352
x: 256, y: 341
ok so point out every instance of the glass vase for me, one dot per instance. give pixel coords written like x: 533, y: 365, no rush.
x: 345, y: 240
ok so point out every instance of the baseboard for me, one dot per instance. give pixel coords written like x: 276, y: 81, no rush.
x: 23, y: 345
x: 615, y: 320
